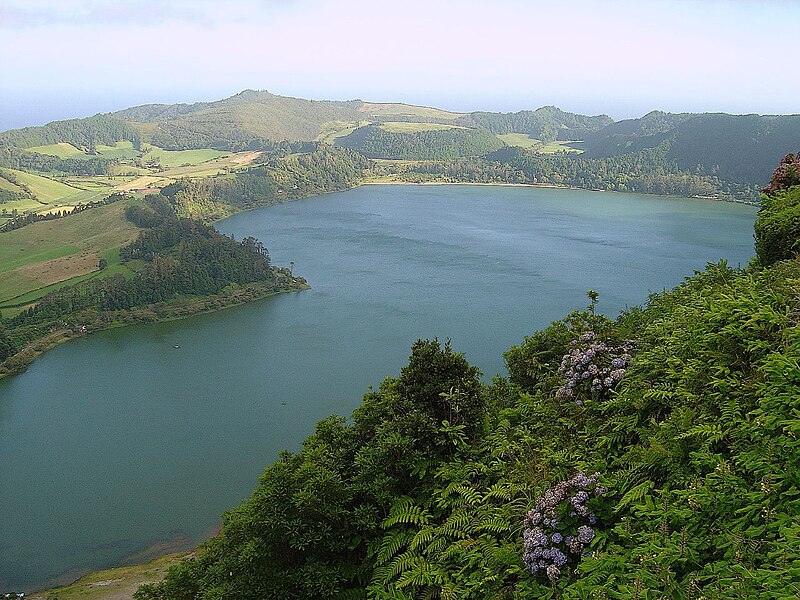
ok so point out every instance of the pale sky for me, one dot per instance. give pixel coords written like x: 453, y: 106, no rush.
x: 70, y: 58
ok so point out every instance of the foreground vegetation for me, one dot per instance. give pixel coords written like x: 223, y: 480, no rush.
x: 651, y: 456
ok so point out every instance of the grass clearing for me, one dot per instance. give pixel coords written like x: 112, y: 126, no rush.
x: 523, y: 140
x: 61, y: 150
x: 409, y: 127
x: 45, y: 189
x: 332, y: 130
x: 21, y: 206
x: 379, y: 109
x: 48, y: 252
x: 177, y: 158
x: 122, y: 149
x: 142, y: 182
x: 5, y: 184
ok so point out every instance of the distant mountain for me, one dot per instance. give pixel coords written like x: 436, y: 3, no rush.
x: 739, y: 150
x: 547, y: 123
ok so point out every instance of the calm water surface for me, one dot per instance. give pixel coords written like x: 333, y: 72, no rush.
x: 119, y: 443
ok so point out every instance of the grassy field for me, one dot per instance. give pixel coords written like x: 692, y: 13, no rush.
x: 40, y: 255
x: 332, y: 130
x: 45, y: 189
x: 176, y: 158
x: 5, y: 184
x: 22, y: 206
x: 62, y: 150
x: 523, y: 140
x: 122, y: 149
x: 379, y: 109
x: 407, y: 127
x: 141, y: 182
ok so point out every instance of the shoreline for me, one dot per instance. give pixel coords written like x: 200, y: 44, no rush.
x: 555, y: 186
x: 174, y: 310
x: 113, y: 583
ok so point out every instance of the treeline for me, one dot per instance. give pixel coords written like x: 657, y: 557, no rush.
x: 280, y: 178
x: 648, y: 171
x: 465, y: 170
x: 651, y: 456
x: 547, y: 123
x: 82, y: 133
x: 16, y: 158
x: 447, y: 144
x: 181, y: 257
x: 18, y: 221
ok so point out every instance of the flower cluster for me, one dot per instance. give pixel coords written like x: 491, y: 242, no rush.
x: 547, y: 548
x: 592, y: 366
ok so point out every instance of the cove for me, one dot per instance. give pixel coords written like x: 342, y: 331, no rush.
x: 120, y: 443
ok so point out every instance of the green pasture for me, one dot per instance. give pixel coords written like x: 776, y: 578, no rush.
x: 331, y: 130
x: 101, y: 230
x: 379, y: 109
x: 22, y: 206
x: 122, y: 149
x: 5, y: 184
x: 523, y: 140
x: 408, y: 127
x: 177, y: 158
x: 61, y: 150
x: 45, y: 189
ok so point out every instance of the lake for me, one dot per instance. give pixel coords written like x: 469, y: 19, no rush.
x: 118, y: 446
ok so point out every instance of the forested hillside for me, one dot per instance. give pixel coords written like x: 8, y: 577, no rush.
x: 100, y: 129
x: 446, y: 144
x: 277, y: 179
x: 547, y: 123
x: 654, y: 455
x: 741, y: 149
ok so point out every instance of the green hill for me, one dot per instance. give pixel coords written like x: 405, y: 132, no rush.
x: 737, y: 148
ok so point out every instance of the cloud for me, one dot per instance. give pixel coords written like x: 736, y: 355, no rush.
x: 28, y: 14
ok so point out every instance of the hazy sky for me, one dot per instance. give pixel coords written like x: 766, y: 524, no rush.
x: 64, y: 58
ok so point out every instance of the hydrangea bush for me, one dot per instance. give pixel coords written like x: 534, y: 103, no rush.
x: 592, y: 367
x: 559, y: 528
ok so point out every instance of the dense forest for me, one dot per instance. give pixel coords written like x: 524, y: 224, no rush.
x: 17, y: 158
x: 548, y: 123
x: 655, y: 455
x: 81, y: 133
x: 647, y: 171
x: 446, y: 144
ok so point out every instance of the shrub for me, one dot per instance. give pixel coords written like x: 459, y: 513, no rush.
x: 777, y: 227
